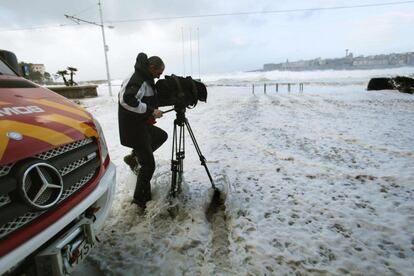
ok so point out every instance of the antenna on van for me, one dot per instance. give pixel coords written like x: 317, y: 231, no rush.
x: 198, y: 52
x: 191, y: 54
x: 182, y: 37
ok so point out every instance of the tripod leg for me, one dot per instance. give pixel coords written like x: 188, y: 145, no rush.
x: 180, y: 158
x: 173, y: 164
x: 177, y: 158
x: 200, y: 155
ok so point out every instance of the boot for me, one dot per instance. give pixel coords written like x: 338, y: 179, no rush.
x: 132, y: 162
x: 139, y: 203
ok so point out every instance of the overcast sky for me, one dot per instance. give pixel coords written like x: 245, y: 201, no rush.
x: 38, y: 32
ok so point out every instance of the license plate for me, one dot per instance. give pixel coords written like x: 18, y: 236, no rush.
x: 80, y: 253
x: 61, y: 257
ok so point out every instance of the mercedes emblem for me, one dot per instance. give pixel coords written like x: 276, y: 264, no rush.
x: 15, y: 135
x: 41, y: 186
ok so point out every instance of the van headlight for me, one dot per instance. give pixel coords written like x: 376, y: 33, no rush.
x: 102, y: 141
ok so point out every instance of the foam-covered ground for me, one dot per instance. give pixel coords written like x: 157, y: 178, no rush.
x: 317, y: 183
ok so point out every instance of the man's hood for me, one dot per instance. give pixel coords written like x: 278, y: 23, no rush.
x: 141, y: 66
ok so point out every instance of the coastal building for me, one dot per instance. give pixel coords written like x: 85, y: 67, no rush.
x: 348, y: 62
x: 38, y: 68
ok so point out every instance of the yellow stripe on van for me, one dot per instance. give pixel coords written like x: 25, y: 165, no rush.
x: 3, y: 103
x: 85, y: 129
x: 4, y: 140
x: 41, y: 133
x: 77, y: 111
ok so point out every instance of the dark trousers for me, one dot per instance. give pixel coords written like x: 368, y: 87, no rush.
x: 151, y: 138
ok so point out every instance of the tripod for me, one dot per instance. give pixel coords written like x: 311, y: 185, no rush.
x: 178, y: 152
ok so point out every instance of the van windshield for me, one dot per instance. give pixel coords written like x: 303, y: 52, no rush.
x: 5, y: 70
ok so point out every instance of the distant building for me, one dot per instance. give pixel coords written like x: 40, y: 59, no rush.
x: 370, y: 61
x: 38, y: 68
x: 348, y: 62
x: 271, y: 67
x: 296, y: 64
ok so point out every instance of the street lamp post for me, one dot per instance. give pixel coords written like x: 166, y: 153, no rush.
x: 106, y: 48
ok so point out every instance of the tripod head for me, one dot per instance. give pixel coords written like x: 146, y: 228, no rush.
x: 180, y: 116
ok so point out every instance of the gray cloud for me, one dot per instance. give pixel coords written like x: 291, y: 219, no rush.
x: 227, y: 43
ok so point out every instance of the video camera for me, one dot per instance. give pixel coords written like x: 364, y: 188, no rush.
x: 181, y: 92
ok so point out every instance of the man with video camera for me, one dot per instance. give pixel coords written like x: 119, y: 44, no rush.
x: 137, y: 111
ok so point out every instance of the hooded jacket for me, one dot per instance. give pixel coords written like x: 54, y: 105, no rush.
x: 136, y: 102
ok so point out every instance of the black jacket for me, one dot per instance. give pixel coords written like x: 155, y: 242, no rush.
x: 136, y: 102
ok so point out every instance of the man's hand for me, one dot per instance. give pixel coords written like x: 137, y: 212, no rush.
x: 157, y: 113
